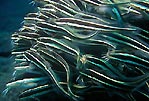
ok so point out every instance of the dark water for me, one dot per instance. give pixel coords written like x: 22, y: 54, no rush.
x: 12, y: 13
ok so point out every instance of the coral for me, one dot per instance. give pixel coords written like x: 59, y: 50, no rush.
x: 74, y: 48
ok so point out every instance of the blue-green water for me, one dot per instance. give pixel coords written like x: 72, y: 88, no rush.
x: 12, y: 13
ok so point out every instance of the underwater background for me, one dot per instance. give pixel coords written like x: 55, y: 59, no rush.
x: 12, y: 13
